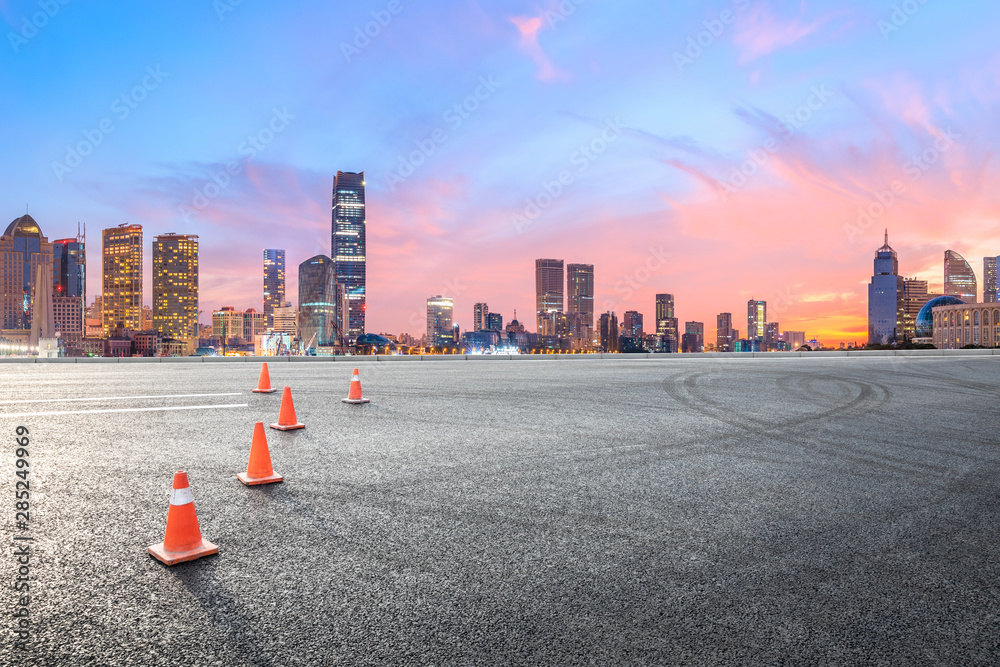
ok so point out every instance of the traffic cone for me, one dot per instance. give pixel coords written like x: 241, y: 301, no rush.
x: 264, y: 384
x: 259, y: 470
x: 182, y: 541
x: 354, y: 396
x: 286, y: 417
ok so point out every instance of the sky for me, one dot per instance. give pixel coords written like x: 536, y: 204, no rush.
x: 718, y: 151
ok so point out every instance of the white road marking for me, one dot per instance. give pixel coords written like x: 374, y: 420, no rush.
x: 95, y: 412
x: 117, y: 398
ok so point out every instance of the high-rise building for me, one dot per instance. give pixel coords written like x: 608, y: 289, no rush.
x: 285, y: 320
x: 885, y: 297
x: 548, y: 294
x: 991, y: 286
x: 697, y: 330
x: 795, y: 339
x: 175, y: 288
x: 440, y: 328
x: 494, y: 322
x: 724, y: 333
x: 480, y: 314
x: 254, y: 324
x: 23, y: 248
x: 632, y: 320
x: 122, y: 278
x: 319, y: 302
x: 227, y: 325
x: 959, y: 278
x: 609, y: 332
x: 580, y: 299
x: 274, y: 282
x: 69, y: 268
x: 349, y: 245
x: 756, y: 320
x: 915, y: 295
x: 664, y: 311
x: 772, y: 335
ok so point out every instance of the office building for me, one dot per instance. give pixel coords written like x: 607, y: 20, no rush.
x: 990, y: 283
x: 959, y: 278
x: 320, y: 303
x: 795, y: 339
x: 285, y: 320
x: 494, y: 322
x: 548, y: 294
x: 609, y: 332
x: 772, y: 336
x: 915, y: 295
x: 580, y: 300
x: 122, y: 278
x: 69, y: 268
x: 274, y: 282
x: 885, y: 298
x: 756, y: 320
x: 697, y: 332
x: 958, y: 325
x: 480, y: 314
x: 440, y: 328
x: 632, y: 322
x: 349, y: 246
x: 227, y: 325
x: 664, y: 311
x: 724, y: 333
x: 254, y: 324
x: 175, y: 288
x: 23, y: 248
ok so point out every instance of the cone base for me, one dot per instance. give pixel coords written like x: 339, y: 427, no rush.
x: 355, y: 401
x: 287, y: 427
x: 173, y: 557
x: 254, y: 481
x: 265, y: 391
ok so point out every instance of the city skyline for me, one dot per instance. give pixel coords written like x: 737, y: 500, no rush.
x: 805, y: 131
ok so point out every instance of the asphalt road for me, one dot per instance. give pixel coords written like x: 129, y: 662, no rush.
x: 760, y: 511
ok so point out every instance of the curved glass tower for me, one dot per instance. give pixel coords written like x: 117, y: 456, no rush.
x: 959, y: 278
x: 23, y: 248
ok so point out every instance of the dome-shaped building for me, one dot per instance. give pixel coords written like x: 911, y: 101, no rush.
x: 925, y: 318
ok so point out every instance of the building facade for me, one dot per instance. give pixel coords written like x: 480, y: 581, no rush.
x: 991, y: 288
x: 957, y: 326
x: 494, y: 322
x: 440, y: 328
x: 548, y: 295
x: 756, y: 320
x: 175, y: 288
x: 609, y: 332
x: 885, y: 298
x: 632, y: 324
x: 122, y: 278
x: 274, y: 282
x: 959, y: 278
x: 480, y: 314
x: 724, y: 333
x: 349, y: 246
x: 580, y: 300
x: 319, y: 302
x: 23, y: 248
x: 697, y: 331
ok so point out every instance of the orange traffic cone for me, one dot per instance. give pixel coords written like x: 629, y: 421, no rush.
x: 259, y: 470
x: 264, y: 384
x: 354, y: 396
x: 182, y: 541
x: 286, y: 417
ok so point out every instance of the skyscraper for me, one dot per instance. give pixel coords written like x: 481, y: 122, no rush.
x: 609, y: 332
x: 915, y: 295
x: 494, y: 322
x: 885, y: 297
x: 319, y: 302
x: 664, y: 311
x: 480, y: 314
x: 175, y: 288
x: 959, y: 278
x: 69, y: 268
x: 724, y: 334
x: 697, y: 332
x: 23, y: 248
x: 122, y: 278
x: 580, y: 299
x: 349, y: 245
x: 756, y: 319
x: 632, y: 320
x: 440, y: 329
x: 274, y: 283
x: 990, y: 284
x: 548, y: 294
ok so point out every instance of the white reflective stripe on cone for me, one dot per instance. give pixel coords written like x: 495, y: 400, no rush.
x: 181, y: 496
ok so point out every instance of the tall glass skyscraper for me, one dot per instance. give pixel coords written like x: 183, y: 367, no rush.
x: 959, y: 278
x: 990, y: 284
x: 122, y: 273
x: 724, y: 334
x: 480, y: 313
x: 440, y: 330
x: 319, y: 302
x: 664, y: 312
x: 548, y: 294
x: 274, y: 283
x: 175, y: 287
x: 580, y: 294
x: 349, y: 246
x: 69, y: 268
x: 756, y: 319
x: 23, y: 248
x: 885, y: 298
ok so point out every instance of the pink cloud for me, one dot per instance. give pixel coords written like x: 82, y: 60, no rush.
x: 762, y: 32
x: 529, y: 27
